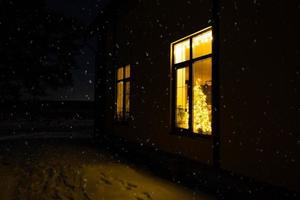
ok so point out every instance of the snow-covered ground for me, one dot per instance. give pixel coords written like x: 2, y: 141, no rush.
x: 39, y: 170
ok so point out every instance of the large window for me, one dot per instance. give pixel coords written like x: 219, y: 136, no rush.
x: 192, y: 74
x: 123, y: 93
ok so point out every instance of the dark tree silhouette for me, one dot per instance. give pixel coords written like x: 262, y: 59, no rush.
x: 37, y: 49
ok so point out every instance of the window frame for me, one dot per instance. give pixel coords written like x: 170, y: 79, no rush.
x: 125, y: 115
x: 173, y: 69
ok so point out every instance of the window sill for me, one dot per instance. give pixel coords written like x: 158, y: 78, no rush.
x: 121, y: 122
x: 187, y: 133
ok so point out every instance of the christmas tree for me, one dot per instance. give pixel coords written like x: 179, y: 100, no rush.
x: 201, y: 111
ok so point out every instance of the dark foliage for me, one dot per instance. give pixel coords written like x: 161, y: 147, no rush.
x: 37, y: 49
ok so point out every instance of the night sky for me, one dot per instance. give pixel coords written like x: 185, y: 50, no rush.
x: 84, y: 73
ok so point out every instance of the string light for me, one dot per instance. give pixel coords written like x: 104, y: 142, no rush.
x: 203, y: 38
x: 201, y: 112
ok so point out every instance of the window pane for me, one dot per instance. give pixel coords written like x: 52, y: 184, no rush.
x: 202, y: 77
x: 127, y: 71
x: 120, y: 100
x: 120, y: 73
x: 182, y: 111
x: 127, y: 99
x: 182, y: 51
x: 202, y: 44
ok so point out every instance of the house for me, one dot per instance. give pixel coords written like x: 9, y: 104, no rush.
x: 212, y: 81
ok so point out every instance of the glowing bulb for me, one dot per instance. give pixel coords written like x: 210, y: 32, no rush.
x: 181, y: 51
x: 203, y: 38
x: 201, y: 112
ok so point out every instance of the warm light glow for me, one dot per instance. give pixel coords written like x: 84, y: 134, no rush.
x: 182, y: 51
x: 202, y: 44
x: 119, y: 100
x: 203, y: 38
x: 202, y: 75
x: 120, y: 74
x: 201, y: 111
x: 127, y: 71
x: 123, y: 93
x: 127, y: 98
x: 200, y: 106
x: 182, y: 111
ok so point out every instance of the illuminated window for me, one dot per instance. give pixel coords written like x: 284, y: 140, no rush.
x: 123, y: 93
x: 192, y: 72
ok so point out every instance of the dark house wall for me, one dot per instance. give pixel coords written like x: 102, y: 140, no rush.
x: 258, y: 70
x: 259, y: 76
x: 142, y: 38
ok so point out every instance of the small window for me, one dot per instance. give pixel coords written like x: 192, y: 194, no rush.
x: 192, y: 71
x: 123, y: 93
